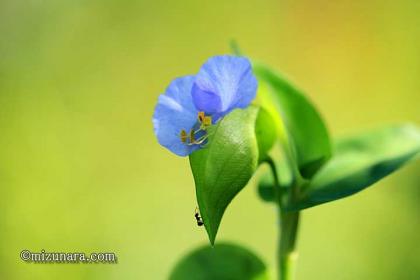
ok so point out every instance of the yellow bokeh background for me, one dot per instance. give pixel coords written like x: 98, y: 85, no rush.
x: 81, y: 170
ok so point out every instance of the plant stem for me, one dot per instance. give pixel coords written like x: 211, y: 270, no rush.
x: 287, y: 253
x: 288, y: 223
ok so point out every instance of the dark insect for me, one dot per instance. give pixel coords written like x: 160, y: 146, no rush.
x: 198, y: 218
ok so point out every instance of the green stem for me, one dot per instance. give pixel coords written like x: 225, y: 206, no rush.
x: 287, y: 253
x: 289, y: 222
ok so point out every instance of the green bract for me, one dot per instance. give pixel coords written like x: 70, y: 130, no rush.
x: 228, y: 161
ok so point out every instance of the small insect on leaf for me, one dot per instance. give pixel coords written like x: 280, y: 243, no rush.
x: 198, y: 218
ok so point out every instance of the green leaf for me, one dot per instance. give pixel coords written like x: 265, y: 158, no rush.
x: 221, y: 262
x: 227, y: 163
x: 359, y: 162
x: 299, y: 121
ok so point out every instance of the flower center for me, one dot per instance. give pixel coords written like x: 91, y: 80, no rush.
x: 190, y: 137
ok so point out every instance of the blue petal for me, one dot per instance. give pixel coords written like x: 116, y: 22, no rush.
x: 223, y: 84
x: 174, y: 112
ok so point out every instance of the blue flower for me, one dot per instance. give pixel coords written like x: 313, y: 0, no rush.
x: 223, y: 84
x: 174, y: 114
x: 192, y: 103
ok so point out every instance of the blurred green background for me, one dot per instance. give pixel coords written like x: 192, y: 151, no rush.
x: 81, y: 170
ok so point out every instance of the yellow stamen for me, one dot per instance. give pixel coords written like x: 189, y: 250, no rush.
x: 183, y: 136
x: 192, y: 139
x: 207, y: 121
x: 201, y: 116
